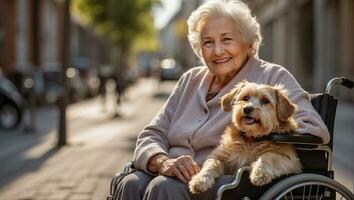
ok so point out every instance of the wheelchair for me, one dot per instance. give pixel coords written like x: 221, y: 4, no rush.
x: 316, y: 182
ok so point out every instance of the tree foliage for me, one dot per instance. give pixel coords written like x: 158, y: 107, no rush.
x: 120, y: 21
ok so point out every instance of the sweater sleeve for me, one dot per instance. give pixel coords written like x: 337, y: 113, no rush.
x: 307, y: 118
x: 153, y: 139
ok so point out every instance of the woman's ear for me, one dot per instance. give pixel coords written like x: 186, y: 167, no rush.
x: 285, y: 108
x: 228, y: 99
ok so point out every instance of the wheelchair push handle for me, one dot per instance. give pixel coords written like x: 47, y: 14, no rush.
x: 339, y: 80
x: 347, y: 83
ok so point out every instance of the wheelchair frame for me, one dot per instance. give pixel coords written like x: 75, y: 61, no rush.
x: 325, y: 104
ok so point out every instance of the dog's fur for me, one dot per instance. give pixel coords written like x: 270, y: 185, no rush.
x: 258, y: 110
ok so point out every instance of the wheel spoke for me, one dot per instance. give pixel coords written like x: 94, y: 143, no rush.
x: 318, y: 187
x: 291, y: 195
x: 308, y: 197
x: 286, y: 198
x: 303, y: 193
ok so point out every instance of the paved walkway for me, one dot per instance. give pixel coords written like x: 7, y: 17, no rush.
x: 99, y: 146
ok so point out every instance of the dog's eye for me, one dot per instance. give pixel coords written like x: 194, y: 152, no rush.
x: 264, y: 101
x: 246, y: 98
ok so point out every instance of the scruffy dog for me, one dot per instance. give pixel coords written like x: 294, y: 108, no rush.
x: 258, y: 110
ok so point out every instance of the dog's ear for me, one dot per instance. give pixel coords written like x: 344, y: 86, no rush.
x: 228, y: 99
x: 285, y: 108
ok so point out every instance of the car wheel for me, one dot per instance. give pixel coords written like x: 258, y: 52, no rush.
x: 10, y: 116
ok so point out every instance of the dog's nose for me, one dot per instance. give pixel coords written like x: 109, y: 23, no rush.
x: 247, y: 109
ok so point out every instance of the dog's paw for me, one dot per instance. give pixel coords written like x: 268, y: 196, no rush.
x: 200, y: 183
x: 259, y: 177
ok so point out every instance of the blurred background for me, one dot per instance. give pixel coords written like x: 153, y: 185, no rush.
x: 79, y: 79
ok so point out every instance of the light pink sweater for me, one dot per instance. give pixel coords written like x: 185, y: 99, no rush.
x: 189, y: 125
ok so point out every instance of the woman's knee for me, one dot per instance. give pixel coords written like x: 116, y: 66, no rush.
x: 160, y: 183
x: 138, y: 180
x: 163, y: 187
x: 134, y: 184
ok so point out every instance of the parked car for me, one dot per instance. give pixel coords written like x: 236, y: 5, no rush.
x: 170, y: 70
x: 11, y: 104
x: 78, y: 88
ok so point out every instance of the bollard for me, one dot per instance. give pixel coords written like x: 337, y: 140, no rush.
x: 30, y: 124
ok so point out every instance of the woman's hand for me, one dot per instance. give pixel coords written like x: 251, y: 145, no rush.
x: 182, y: 167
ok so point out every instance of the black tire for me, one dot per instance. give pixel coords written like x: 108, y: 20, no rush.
x: 10, y: 116
x: 286, y: 187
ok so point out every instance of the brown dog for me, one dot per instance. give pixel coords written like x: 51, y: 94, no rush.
x: 258, y: 110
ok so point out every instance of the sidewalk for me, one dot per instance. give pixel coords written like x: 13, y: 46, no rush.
x: 99, y: 146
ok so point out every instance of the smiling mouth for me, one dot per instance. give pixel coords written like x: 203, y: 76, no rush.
x: 221, y: 61
x: 249, y: 120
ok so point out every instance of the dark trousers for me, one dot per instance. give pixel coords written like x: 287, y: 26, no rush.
x: 139, y: 185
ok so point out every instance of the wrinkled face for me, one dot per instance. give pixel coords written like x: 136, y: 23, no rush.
x: 258, y: 109
x: 223, y: 49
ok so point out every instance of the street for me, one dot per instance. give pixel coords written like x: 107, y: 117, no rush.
x: 32, y: 168
x: 99, y: 146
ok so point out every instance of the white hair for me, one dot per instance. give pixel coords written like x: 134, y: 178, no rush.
x: 246, y: 24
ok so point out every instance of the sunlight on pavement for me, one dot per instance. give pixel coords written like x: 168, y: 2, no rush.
x: 39, y: 150
x: 98, y: 146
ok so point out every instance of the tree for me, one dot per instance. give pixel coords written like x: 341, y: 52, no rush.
x: 120, y: 21
x: 123, y: 23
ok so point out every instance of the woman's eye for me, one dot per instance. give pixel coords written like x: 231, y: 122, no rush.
x: 227, y: 40
x: 246, y: 98
x: 264, y: 101
x: 207, y: 42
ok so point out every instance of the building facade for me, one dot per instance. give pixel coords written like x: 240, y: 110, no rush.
x: 31, y: 37
x: 173, y: 37
x: 314, y: 39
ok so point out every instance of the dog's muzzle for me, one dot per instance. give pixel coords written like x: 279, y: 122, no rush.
x: 247, y: 110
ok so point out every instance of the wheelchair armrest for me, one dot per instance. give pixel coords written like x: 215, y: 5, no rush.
x: 233, y: 184
x: 129, y: 167
x: 305, y: 139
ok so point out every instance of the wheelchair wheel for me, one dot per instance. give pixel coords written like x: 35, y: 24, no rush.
x: 308, y: 186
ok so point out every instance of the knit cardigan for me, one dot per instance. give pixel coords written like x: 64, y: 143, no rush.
x: 189, y: 125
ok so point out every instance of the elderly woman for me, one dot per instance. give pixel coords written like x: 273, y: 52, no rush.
x: 173, y: 147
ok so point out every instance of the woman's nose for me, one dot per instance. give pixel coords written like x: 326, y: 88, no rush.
x: 218, y: 49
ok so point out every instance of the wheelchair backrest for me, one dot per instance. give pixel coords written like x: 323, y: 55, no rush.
x: 326, y: 106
